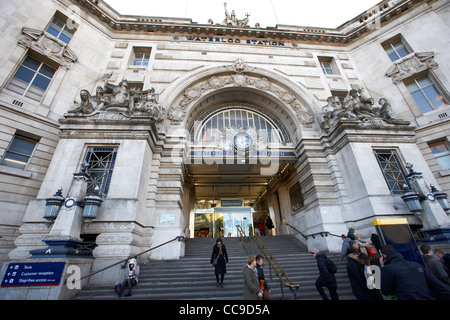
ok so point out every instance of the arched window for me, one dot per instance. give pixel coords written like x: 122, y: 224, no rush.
x: 211, y: 125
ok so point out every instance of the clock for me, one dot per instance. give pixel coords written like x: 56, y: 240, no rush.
x: 69, y: 203
x: 242, y: 141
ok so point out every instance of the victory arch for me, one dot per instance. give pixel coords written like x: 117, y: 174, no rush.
x: 244, y: 131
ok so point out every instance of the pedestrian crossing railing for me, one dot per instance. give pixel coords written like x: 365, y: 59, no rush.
x: 285, y: 281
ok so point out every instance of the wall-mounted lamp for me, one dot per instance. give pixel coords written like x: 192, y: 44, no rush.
x: 53, y: 205
x: 411, y: 199
x: 441, y: 197
x: 92, y: 204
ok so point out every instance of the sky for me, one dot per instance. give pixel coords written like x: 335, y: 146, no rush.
x: 268, y: 13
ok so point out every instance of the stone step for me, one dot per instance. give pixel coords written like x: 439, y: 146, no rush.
x: 192, y: 276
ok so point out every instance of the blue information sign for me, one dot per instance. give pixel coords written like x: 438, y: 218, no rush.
x: 33, y: 274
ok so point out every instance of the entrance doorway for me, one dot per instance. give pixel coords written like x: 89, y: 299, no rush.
x: 222, y: 222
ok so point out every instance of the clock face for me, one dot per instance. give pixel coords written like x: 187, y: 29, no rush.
x: 242, y: 141
x: 69, y: 203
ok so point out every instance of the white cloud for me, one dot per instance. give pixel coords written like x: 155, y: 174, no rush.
x: 316, y: 13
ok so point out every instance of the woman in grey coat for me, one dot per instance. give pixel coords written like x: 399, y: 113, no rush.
x: 252, y: 290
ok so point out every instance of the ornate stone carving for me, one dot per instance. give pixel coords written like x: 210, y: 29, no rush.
x: 239, y: 79
x: 411, y: 65
x: 358, y: 107
x: 47, y: 45
x: 130, y: 102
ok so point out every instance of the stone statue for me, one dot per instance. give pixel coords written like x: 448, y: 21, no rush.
x: 119, y: 98
x: 231, y: 20
x: 85, y: 106
x: 357, y: 107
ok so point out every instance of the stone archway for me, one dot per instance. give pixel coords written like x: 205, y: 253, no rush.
x: 188, y: 97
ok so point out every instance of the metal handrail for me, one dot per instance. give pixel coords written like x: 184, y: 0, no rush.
x: 291, y: 285
x: 179, y: 238
x: 322, y: 233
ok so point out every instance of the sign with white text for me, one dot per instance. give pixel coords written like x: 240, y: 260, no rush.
x: 33, y: 274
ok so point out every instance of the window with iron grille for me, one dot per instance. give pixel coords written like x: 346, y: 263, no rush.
x: 392, y: 169
x: 100, y: 167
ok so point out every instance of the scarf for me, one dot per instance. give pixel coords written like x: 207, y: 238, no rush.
x: 220, y: 249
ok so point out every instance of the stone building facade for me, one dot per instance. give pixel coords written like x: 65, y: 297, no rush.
x: 178, y: 122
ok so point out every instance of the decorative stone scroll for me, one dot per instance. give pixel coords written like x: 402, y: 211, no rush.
x: 178, y: 113
x: 119, y: 99
x: 359, y: 108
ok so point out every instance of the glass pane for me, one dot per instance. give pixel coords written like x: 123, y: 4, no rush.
x: 422, y: 101
x: 393, y: 55
x: 412, y: 86
x: 434, y: 96
x: 31, y: 63
x: 53, y: 30
x: 41, y: 82
x: 425, y: 81
x: 47, y: 71
x: 24, y: 74
x: 35, y: 93
x: 22, y: 146
x: 64, y: 37
x: 444, y: 162
x: 17, y: 86
x: 15, y: 160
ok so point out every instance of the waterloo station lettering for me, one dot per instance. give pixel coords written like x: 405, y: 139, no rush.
x: 236, y: 40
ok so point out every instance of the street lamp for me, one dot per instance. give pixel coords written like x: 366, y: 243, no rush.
x: 441, y: 197
x: 53, y: 205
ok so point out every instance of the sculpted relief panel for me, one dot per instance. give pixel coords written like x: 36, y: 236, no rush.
x: 238, y: 78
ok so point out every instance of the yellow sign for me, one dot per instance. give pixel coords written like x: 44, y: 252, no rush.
x: 378, y: 222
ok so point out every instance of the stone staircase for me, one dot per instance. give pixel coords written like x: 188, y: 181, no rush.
x: 192, y: 276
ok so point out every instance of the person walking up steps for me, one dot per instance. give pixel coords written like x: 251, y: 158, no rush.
x: 219, y: 259
x: 327, y: 269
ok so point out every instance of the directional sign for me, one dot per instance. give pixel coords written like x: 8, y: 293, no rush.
x: 33, y: 274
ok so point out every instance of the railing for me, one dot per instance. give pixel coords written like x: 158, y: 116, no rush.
x: 313, y: 235
x: 293, y: 287
x: 179, y: 238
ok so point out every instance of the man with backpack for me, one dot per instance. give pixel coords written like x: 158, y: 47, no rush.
x: 327, y: 269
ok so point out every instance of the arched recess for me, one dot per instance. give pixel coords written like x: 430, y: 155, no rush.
x: 190, y: 95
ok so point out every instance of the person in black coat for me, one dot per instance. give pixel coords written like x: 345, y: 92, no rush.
x: 408, y: 280
x: 219, y: 259
x: 261, y: 278
x: 355, y: 273
x: 326, y: 278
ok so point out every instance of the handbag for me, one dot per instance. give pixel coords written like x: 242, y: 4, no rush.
x: 215, y: 261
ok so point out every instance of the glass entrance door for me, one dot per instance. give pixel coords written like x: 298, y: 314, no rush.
x: 221, y: 222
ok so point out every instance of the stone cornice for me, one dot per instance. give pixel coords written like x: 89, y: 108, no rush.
x: 370, y: 20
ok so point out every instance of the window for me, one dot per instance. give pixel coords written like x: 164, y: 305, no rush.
x: 393, y: 172
x: 426, y: 94
x: 141, y: 56
x: 214, y: 126
x: 442, y: 153
x: 328, y: 66
x: 296, y: 197
x: 32, y: 79
x: 59, y: 28
x: 396, y: 49
x: 20, y: 150
x: 100, y: 162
